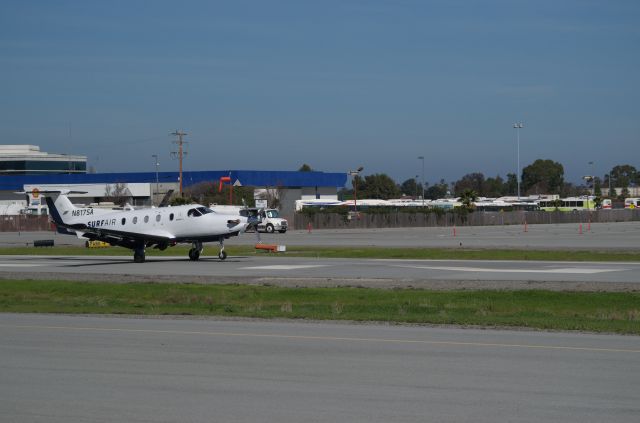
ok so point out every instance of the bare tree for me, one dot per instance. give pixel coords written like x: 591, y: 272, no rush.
x: 273, y: 195
x: 117, y: 193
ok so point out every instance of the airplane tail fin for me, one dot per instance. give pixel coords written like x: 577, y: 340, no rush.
x: 60, y: 207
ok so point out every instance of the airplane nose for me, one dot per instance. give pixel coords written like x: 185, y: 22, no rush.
x: 239, y: 223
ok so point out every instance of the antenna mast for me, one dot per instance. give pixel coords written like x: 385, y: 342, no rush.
x: 180, y: 153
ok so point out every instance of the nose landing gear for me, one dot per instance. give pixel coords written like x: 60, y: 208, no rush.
x: 222, y: 254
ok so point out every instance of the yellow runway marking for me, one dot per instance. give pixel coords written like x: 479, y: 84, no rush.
x: 330, y: 338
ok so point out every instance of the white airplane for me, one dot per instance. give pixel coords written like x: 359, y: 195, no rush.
x: 151, y: 227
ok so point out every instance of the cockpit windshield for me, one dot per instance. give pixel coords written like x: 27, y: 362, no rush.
x: 199, y: 211
x: 205, y: 210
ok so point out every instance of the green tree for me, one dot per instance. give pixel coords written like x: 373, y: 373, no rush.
x: 623, y: 175
x: 305, y: 168
x: 467, y: 198
x: 543, y: 177
x: 378, y: 186
x: 624, y: 194
x: 597, y: 187
x: 471, y: 181
x: 411, y: 187
x: 494, y: 187
x: 511, y: 186
x: 437, y: 190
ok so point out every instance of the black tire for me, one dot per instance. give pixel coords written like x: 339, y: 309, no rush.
x: 269, y: 228
x: 194, y: 254
x: 222, y: 255
x: 282, y: 231
x: 138, y: 257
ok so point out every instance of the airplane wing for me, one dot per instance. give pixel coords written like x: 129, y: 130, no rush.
x: 122, y: 238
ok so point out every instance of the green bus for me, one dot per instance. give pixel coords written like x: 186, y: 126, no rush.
x: 568, y: 204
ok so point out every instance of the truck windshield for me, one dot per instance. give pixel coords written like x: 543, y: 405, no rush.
x: 272, y: 213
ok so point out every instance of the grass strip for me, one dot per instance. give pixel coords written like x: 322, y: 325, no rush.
x: 598, y: 312
x: 353, y: 252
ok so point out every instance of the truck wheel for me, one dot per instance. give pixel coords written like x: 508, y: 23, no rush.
x: 269, y: 228
x: 282, y: 231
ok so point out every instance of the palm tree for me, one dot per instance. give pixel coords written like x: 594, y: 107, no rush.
x: 467, y: 199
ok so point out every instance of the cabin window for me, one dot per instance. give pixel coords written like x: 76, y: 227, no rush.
x: 171, y: 216
x: 146, y: 219
x: 157, y: 218
x: 124, y: 220
x: 135, y: 220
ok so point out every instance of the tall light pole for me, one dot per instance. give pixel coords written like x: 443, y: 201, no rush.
x: 593, y: 180
x: 354, y: 181
x: 155, y: 156
x: 518, y: 126
x: 422, y: 158
x: 416, y: 183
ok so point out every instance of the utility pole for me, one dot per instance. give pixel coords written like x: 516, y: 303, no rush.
x: 180, y: 153
x: 155, y: 156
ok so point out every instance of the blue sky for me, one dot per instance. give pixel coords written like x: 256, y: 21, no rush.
x: 335, y: 84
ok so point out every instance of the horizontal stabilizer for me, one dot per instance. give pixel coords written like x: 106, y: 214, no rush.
x: 62, y: 192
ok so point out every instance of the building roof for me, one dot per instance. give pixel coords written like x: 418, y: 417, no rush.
x: 32, y: 152
x: 258, y: 178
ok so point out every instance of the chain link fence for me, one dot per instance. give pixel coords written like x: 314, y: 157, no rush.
x: 401, y: 219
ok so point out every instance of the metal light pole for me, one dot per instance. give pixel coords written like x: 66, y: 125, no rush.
x: 354, y: 181
x: 593, y: 180
x: 422, y: 158
x: 416, y: 183
x: 155, y: 156
x: 518, y: 126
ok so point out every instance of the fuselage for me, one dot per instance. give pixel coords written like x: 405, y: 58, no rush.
x: 180, y: 223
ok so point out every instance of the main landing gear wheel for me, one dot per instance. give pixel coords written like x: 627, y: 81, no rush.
x: 194, y: 254
x: 138, y: 256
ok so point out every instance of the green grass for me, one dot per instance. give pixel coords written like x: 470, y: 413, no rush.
x: 353, y: 252
x: 599, y: 312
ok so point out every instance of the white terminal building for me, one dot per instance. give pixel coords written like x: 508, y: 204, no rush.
x: 29, y: 160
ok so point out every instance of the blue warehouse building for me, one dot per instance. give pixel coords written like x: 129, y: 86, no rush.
x: 25, y: 168
x: 145, y: 190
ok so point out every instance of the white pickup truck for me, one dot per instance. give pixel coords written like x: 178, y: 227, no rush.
x: 267, y: 220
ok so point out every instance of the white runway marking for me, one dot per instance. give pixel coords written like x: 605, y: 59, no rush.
x: 566, y: 270
x: 19, y: 265
x: 284, y: 267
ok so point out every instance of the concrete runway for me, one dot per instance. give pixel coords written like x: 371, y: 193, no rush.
x: 99, y: 369
x: 293, y: 271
